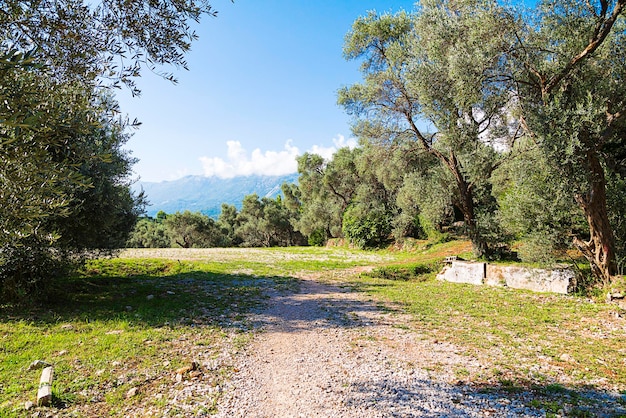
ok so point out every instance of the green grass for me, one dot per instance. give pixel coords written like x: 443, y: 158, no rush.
x: 519, y: 327
x: 120, y: 324
x: 131, y: 322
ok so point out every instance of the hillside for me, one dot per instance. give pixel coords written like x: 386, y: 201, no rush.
x: 206, y: 194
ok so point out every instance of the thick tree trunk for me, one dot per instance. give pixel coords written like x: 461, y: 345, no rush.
x: 466, y: 205
x: 600, y: 249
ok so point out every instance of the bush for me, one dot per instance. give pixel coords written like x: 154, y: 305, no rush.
x: 27, y: 270
x: 318, y: 238
x: 366, y: 228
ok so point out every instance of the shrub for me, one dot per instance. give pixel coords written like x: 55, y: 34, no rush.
x: 366, y: 228
x: 318, y: 238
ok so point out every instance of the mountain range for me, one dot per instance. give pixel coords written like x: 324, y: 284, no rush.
x: 206, y: 194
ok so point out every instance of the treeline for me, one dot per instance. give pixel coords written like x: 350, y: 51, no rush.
x: 376, y: 195
x: 260, y: 223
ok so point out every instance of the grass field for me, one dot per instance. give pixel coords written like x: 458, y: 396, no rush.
x: 120, y: 333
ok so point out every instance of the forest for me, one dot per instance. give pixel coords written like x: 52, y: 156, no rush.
x: 474, y: 118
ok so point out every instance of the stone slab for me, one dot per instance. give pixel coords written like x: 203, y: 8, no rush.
x: 557, y: 280
x: 465, y: 272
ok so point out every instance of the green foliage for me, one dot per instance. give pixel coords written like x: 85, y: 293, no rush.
x: 616, y: 202
x: 149, y: 233
x: 317, y: 238
x: 405, y: 272
x: 228, y: 221
x: 92, y: 42
x: 367, y: 227
x: 63, y: 179
x: 266, y: 223
x: 434, y: 234
x: 536, y: 207
x: 326, y: 188
x: 28, y: 269
x: 194, y: 230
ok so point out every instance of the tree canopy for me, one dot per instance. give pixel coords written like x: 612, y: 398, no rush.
x: 64, y: 178
x: 103, y: 40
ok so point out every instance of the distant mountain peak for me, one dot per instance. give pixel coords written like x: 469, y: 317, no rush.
x: 206, y: 194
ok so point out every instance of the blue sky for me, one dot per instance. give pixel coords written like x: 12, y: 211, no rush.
x: 261, y: 89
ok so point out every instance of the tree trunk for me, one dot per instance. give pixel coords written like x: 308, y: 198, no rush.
x: 600, y: 249
x: 466, y: 205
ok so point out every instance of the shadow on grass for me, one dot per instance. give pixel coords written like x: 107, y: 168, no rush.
x: 317, y: 306
x: 190, y: 298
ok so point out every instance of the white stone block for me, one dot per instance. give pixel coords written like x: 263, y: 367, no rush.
x: 465, y: 272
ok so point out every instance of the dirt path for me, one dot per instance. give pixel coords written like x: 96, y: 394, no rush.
x: 327, y: 352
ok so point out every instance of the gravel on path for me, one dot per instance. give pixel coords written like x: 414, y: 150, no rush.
x: 328, y: 352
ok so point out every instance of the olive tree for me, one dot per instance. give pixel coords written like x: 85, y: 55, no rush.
x: 194, y: 230
x: 571, y: 81
x: 96, y: 41
x: 64, y: 180
x: 443, y: 65
x: 326, y: 189
x: 63, y: 177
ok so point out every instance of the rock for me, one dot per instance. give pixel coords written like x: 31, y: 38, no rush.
x: 62, y: 353
x: 129, y: 308
x: 44, y: 394
x: 188, y: 368
x: 29, y: 405
x: 150, y: 297
x: 131, y: 392
x: 67, y: 326
x: 38, y: 364
x: 567, y: 358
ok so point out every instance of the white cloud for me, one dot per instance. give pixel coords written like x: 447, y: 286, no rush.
x: 339, y: 142
x: 239, y: 163
x: 270, y: 163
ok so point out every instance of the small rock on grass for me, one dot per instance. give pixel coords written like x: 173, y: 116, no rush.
x: 131, y: 392
x: 38, y: 364
x: 28, y: 405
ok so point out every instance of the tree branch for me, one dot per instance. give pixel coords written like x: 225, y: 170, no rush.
x: 602, y: 31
